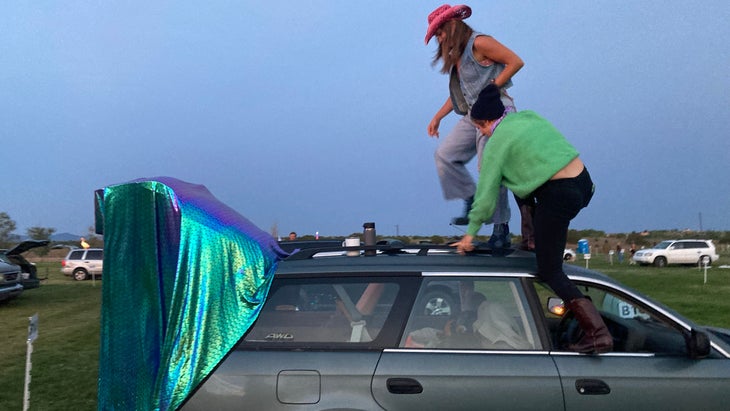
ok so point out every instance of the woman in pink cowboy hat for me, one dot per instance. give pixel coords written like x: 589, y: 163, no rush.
x: 473, y: 60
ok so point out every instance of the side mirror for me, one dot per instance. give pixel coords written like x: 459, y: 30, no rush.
x: 556, y: 306
x: 698, y: 345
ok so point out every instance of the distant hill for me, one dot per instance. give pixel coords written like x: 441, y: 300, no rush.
x: 60, y: 237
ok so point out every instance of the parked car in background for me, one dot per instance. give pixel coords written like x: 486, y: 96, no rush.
x: 350, y: 332
x: 678, y: 252
x: 10, y: 286
x: 81, y: 263
x: 568, y: 254
x: 28, y: 271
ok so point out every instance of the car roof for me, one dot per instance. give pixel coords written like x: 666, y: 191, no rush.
x: 417, y: 259
x: 293, y: 245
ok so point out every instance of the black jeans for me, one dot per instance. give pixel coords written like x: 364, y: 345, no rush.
x: 558, y: 202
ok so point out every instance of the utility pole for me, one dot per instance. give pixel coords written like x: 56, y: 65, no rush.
x: 700, y: 222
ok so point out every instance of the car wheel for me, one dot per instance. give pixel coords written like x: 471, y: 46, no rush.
x: 567, y: 257
x: 80, y: 274
x: 660, y: 262
x: 705, y: 260
x: 438, y: 302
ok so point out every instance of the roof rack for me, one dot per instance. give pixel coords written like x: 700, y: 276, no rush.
x: 397, y: 247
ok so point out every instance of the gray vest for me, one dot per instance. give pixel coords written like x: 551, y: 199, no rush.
x: 471, y: 78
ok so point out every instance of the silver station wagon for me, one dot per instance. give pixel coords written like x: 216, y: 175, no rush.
x: 354, y: 332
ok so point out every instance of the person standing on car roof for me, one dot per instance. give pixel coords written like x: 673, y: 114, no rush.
x: 532, y: 158
x: 472, y: 61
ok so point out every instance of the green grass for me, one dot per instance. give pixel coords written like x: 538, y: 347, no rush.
x: 682, y: 288
x: 65, y: 357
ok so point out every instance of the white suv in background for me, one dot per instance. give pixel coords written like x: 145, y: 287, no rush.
x: 83, y: 263
x: 678, y: 252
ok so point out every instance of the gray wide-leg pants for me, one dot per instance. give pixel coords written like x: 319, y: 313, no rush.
x: 455, y: 151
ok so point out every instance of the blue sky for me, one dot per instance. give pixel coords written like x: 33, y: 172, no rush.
x: 311, y: 116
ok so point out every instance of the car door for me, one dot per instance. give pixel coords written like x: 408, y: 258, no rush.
x: 487, y: 356
x: 650, y: 367
x: 695, y: 249
x: 315, y: 345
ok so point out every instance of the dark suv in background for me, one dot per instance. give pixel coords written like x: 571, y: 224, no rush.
x: 10, y: 286
x: 28, y: 271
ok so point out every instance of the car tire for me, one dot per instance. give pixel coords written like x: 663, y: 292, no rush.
x: 80, y: 274
x: 705, y: 259
x: 660, y: 262
x: 438, y: 302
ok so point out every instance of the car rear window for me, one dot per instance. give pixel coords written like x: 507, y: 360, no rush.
x: 328, y: 310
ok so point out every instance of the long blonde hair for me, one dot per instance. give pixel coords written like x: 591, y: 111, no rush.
x: 452, y: 48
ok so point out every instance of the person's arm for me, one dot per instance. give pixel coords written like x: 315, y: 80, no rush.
x: 487, y: 194
x: 433, y: 126
x: 486, y: 47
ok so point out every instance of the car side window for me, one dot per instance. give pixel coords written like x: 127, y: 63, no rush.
x: 486, y: 314
x: 634, y: 328
x: 94, y: 255
x: 324, y: 311
x: 76, y: 255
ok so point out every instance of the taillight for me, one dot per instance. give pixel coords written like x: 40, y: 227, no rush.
x: 63, y: 263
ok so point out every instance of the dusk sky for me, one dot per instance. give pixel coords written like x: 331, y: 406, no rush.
x: 311, y: 116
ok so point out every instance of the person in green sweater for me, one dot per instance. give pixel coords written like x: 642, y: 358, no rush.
x: 529, y: 156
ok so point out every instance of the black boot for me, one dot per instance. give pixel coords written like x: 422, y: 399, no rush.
x: 500, y: 238
x: 596, y: 338
x: 528, y: 231
x: 464, y: 220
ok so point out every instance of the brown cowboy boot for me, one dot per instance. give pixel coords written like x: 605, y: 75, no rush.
x: 527, y: 230
x: 596, y: 337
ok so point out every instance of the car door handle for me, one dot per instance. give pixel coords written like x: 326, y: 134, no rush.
x: 592, y: 387
x: 404, y: 386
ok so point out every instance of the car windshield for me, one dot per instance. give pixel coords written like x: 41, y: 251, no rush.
x: 663, y: 245
x: 5, y: 259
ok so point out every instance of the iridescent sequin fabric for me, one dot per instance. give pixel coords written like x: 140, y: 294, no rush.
x: 184, y: 278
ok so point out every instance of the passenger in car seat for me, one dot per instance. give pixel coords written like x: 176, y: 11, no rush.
x: 497, y: 330
x: 458, y: 331
x: 468, y: 314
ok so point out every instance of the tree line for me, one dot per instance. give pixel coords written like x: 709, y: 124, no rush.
x: 9, y: 238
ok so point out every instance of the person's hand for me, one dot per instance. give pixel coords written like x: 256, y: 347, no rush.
x: 464, y: 245
x: 433, y: 127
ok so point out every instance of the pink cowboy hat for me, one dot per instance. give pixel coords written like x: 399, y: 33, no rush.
x: 443, y: 14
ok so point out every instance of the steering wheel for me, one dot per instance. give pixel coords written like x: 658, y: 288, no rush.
x: 568, y: 331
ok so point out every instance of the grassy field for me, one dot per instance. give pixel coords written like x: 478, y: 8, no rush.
x: 65, y: 357
x: 680, y: 287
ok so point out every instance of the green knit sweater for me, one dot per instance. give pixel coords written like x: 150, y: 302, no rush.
x: 524, y: 151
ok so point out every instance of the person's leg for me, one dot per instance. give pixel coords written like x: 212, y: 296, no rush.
x: 551, y: 230
x: 452, y: 155
x: 501, y: 238
x: 558, y: 202
x: 527, y: 230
